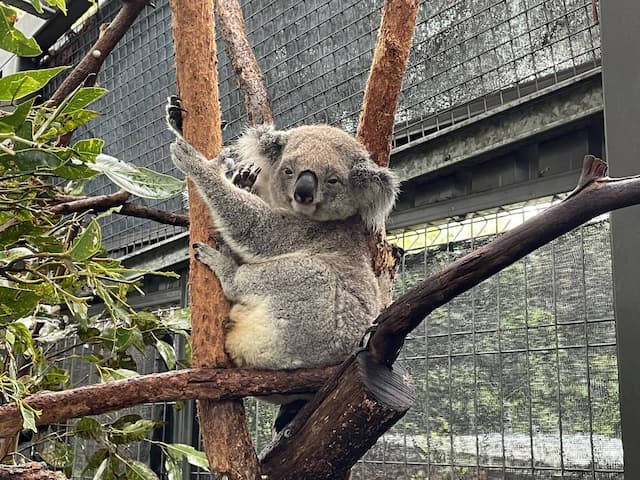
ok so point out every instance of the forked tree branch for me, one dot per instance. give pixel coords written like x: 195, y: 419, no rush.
x: 595, y: 196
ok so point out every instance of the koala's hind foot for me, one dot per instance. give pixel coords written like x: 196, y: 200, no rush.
x: 223, y: 266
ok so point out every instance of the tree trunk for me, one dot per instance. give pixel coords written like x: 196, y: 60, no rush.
x: 223, y: 425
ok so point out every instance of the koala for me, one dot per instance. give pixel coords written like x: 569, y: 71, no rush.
x: 299, y: 275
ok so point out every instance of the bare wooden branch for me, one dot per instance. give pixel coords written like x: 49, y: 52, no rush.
x: 224, y: 429
x: 385, y: 77
x: 95, y: 57
x: 245, y: 64
x: 71, y: 204
x: 97, y: 203
x: 29, y: 471
x: 209, y: 383
x: 597, y: 197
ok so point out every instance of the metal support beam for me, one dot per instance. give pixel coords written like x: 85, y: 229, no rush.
x: 621, y: 74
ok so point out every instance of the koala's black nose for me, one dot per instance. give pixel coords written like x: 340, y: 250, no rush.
x: 305, y: 187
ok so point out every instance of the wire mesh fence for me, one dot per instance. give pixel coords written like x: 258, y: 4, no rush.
x: 468, y: 58
x: 517, y: 378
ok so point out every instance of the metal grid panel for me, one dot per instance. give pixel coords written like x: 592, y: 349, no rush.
x: 517, y: 378
x: 469, y: 58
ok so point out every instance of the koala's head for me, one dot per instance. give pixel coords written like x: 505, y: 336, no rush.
x: 321, y: 172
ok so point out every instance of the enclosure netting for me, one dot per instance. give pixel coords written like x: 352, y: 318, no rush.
x: 517, y: 378
x: 469, y: 58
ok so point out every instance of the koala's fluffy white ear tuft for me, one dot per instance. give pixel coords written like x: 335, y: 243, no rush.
x: 377, y: 188
x: 261, y: 143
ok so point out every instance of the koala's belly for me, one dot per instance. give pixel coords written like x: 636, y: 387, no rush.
x: 253, y: 338
x: 298, y: 312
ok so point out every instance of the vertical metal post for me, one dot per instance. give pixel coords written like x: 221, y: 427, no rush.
x: 621, y: 85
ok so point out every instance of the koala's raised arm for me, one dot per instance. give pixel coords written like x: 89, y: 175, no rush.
x: 246, y: 222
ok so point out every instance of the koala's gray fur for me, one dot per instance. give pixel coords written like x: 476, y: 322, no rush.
x: 301, y: 284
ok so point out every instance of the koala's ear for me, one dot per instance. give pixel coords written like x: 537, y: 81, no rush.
x: 376, y: 189
x: 261, y: 143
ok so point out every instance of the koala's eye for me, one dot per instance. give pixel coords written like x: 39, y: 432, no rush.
x: 332, y: 180
x: 288, y: 171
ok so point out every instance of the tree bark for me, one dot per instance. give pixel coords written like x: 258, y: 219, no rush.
x: 375, y: 128
x: 28, y: 471
x: 203, y: 383
x: 245, y: 64
x: 224, y: 430
x: 96, y: 56
x: 72, y: 204
x: 384, y: 85
x: 341, y: 423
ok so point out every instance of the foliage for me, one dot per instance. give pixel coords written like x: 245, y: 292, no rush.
x: 61, y: 296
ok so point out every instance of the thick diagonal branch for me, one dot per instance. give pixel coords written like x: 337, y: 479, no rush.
x: 595, y: 197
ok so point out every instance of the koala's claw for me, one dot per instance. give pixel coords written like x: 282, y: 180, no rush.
x: 246, y: 177
x: 174, y: 113
x: 197, y: 249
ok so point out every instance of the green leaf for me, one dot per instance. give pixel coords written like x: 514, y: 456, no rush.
x: 57, y: 454
x: 179, y: 319
x: 88, y: 428
x: 16, y: 303
x: 109, y: 374
x: 172, y: 467
x: 11, y: 122
x: 61, y: 4
x: 37, y: 5
x: 133, y: 433
x: 127, y: 337
x: 28, y: 417
x: 12, y: 39
x: 29, y: 160
x: 87, y: 149
x: 139, y: 471
x: 193, y: 456
x: 21, y: 84
x: 139, y: 181
x: 167, y: 353
x: 83, y: 97
x: 101, y: 469
x: 88, y: 243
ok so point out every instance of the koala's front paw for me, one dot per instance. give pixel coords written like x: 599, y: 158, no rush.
x: 246, y: 176
x: 173, y: 114
x: 184, y: 156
